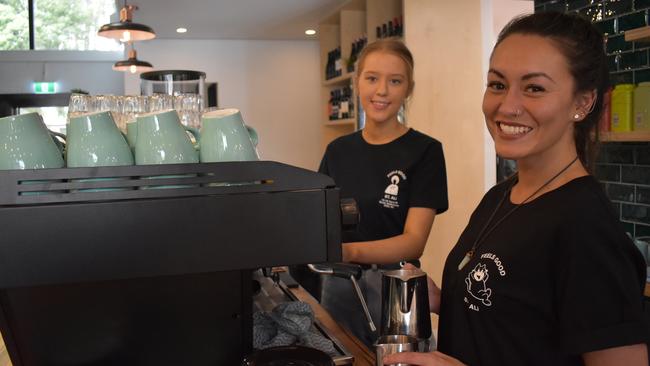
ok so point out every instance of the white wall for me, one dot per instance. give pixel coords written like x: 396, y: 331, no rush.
x: 88, y: 70
x: 275, y: 84
x: 451, y: 42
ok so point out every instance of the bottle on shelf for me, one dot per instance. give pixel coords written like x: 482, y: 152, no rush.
x: 357, y: 46
x: 353, y: 56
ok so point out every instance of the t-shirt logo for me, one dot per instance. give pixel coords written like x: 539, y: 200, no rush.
x: 476, y: 282
x: 393, y: 188
x: 389, y: 200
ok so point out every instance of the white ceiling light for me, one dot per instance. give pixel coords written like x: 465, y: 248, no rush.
x: 310, y: 32
x: 181, y: 30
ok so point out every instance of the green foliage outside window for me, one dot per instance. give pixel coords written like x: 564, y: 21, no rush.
x: 59, y: 24
x: 14, y: 25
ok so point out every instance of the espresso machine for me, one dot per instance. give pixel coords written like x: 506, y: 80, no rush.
x: 124, y: 270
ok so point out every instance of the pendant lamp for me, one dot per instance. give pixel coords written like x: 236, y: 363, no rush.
x: 125, y: 30
x: 132, y: 64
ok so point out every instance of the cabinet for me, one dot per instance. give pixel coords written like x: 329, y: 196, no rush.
x: 351, y: 21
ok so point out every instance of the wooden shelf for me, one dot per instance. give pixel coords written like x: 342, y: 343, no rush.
x: 638, y: 34
x: 342, y: 122
x: 339, y: 79
x: 634, y: 136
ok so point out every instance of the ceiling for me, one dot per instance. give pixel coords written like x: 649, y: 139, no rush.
x: 233, y: 19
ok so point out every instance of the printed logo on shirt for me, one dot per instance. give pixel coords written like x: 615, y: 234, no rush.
x: 477, y: 281
x: 389, y: 200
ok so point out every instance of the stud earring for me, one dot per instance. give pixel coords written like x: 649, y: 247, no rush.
x: 576, y: 116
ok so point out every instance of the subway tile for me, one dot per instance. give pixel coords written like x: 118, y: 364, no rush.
x: 642, y: 154
x: 618, y: 44
x: 640, y: 44
x: 618, y: 154
x: 635, y: 213
x: 617, y: 7
x: 608, y: 173
x: 635, y: 174
x: 626, y: 77
x: 612, y: 62
x: 641, y: 230
x: 559, y: 5
x: 628, y: 227
x: 643, y: 194
x: 641, y: 75
x: 633, y: 60
x: 620, y: 192
x: 539, y: 8
x: 540, y: 2
x: 606, y: 26
x: 641, y: 4
x: 593, y: 13
x: 631, y: 21
x: 577, y: 4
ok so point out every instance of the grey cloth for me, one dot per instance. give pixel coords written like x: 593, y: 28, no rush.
x: 340, y: 299
x: 289, y: 323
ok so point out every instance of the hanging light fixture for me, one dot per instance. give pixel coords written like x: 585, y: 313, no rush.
x: 125, y: 30
x: 132, y: 64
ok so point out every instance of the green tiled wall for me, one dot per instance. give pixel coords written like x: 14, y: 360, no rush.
x: 623, y: 167
x: 629, y: 62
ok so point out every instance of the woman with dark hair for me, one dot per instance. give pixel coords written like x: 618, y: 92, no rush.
x: 543, y: 274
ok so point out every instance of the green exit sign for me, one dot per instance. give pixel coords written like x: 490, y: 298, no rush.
x: 44, y: 87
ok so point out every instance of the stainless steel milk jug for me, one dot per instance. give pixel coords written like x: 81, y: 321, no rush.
x: 405, y: 304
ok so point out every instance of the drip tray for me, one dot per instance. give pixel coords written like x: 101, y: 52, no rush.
x: 272, y: 294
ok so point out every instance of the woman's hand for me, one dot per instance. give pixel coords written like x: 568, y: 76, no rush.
x: 434, y: 292
x: 422, y: 359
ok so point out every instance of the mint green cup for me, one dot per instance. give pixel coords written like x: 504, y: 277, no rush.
x: 26, y: 143
x: 225, y: 137
x: 162, y: 139
x: 94, y: 140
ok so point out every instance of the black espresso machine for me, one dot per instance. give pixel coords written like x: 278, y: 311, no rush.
x: 151, y: 265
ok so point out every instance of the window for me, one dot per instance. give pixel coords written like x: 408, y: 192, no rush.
x: 57, y: 25
x: 14, y: 25
x: 55, y: 118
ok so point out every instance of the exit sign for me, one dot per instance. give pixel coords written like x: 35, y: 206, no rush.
x: 44, y: 87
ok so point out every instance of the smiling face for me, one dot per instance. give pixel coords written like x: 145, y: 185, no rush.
x: 530, y: 104
x: 383, y: 85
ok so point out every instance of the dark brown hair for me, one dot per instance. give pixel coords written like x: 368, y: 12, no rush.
x: 583, y: 47
x: 394, y: 47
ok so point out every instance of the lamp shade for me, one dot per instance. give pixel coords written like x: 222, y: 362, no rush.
x: 125, y: 30
x: 132, y: 64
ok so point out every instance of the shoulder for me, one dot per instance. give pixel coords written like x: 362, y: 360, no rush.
x: 346, y: 141
x: 415, y: 136
x: 585, y: 200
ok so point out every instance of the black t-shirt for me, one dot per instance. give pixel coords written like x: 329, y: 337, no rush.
x: 387, y: 179
x: 557, y: 278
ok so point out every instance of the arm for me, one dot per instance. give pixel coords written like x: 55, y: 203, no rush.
x: 634, y: 355
x: 408, y: 245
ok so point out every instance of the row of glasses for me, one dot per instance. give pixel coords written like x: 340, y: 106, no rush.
x: 126, y: 108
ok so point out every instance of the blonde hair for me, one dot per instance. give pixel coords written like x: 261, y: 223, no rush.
x: 393, y: 47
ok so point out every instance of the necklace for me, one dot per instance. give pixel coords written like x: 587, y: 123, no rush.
x: 481, y: 236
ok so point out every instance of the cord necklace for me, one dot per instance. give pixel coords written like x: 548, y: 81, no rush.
x: 479, y: 239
